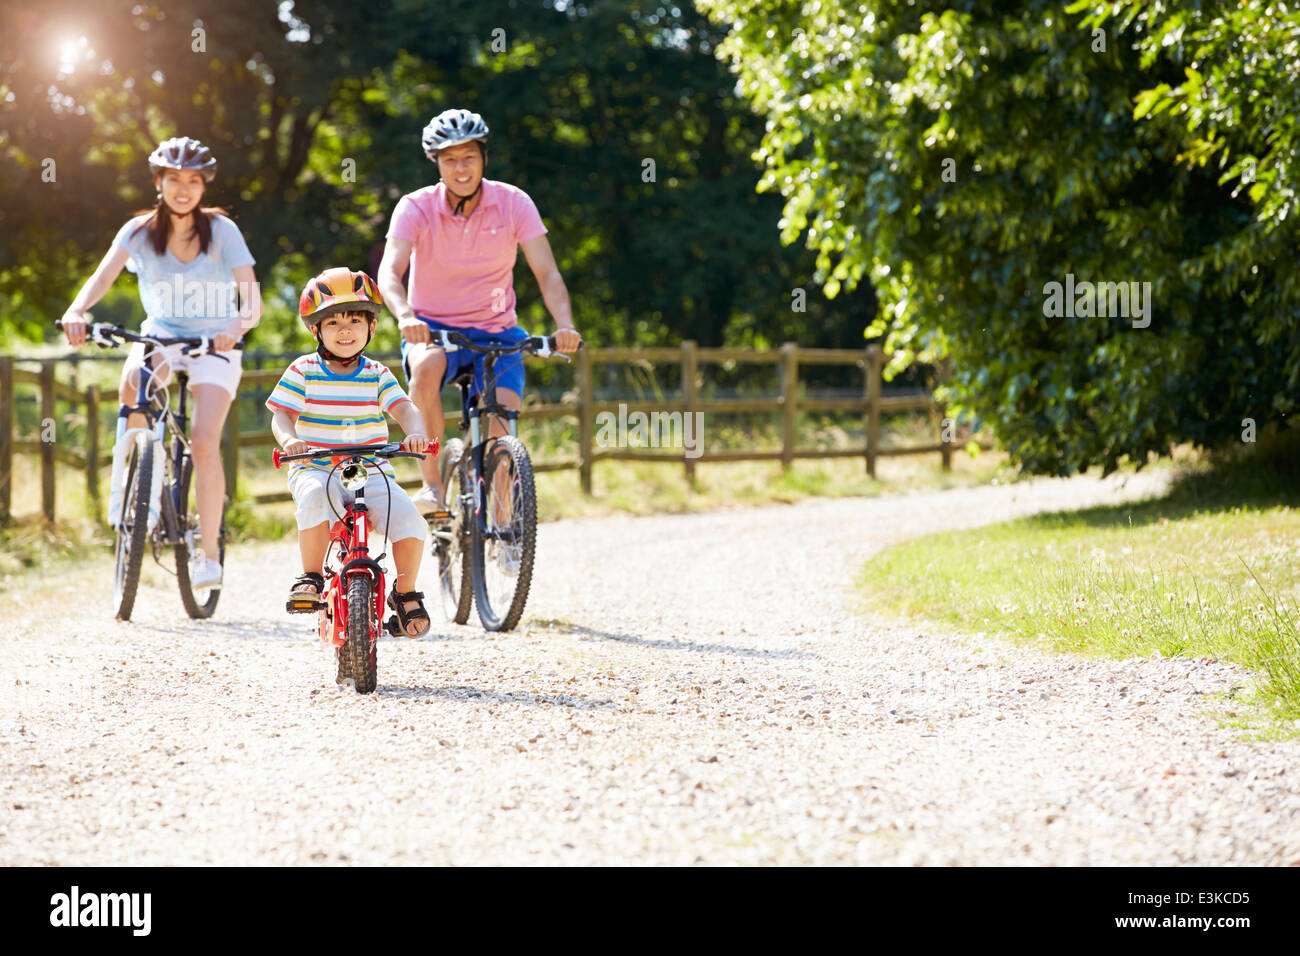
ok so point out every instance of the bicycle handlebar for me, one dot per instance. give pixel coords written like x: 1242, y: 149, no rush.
x: 103, y: 335
x: 392, y: 450
x: 543, y: 346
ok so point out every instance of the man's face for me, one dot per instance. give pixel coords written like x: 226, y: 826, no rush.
x: 461, y: 167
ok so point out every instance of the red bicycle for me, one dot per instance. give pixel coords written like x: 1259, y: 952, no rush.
x: 352, y: 603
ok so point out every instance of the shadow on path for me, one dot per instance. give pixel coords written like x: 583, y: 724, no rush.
x: 590, y: 634
x: 466, y: 694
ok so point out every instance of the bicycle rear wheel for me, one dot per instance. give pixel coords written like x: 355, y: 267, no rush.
x: 505, y: 535
x: 133, y: 526
x: 450, y: 545
x: 199, y: 602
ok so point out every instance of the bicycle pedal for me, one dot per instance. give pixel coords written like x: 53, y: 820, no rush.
x: 394, y: 627
x: 304, y: 605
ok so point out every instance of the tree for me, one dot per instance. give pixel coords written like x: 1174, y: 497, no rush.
x: 966, y: 156
x: 314, y: 110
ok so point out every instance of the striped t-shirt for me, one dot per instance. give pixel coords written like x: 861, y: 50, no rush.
x: 335, y: 410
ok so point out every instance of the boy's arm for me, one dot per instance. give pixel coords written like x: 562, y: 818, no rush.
x: 408, y: 416
x: 284, y: 426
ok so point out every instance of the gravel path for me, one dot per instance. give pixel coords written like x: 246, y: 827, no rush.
x: 683, y: 689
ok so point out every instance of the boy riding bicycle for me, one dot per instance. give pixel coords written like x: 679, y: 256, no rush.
x: 461, y: 238
x: 336, y: 397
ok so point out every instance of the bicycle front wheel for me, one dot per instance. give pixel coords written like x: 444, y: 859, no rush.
x: 133, y: 526
x: 199, y: 602
x: 505, y: 535
x: 357, y: 655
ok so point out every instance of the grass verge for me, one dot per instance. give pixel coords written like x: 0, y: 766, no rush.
x: 1208, y: 570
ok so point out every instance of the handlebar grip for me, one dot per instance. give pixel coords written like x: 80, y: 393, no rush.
x: 275, y: 457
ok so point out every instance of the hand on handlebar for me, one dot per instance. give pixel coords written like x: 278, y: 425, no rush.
x: 74, y: 325
x: 296, y: 446
x: 414, y: 331
x: 225, y: 341
x: 419, y: 443
x: 567, y: 340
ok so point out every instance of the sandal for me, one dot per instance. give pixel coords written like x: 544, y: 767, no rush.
x: 303, y: 601
x: 403, y: 617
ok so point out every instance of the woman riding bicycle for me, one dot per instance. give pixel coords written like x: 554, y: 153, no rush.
x: 464, y: 234
x: 190, y: 260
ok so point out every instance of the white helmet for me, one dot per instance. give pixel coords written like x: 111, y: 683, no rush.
x: 451, y: 128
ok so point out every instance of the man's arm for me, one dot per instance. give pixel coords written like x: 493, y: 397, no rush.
x: 542, y: 261
x: 397, y: 255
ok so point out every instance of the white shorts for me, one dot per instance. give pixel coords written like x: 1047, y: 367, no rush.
x: 204, y: 370
x: 308, y: 489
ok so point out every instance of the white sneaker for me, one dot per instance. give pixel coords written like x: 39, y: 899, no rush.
x: 204, y: 572
x: 428, y: 501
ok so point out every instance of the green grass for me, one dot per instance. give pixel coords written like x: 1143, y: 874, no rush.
x: 1208, y: 570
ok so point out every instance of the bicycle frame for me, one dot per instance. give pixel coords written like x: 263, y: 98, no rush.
x: 350, y: 545
x: 472, y: 412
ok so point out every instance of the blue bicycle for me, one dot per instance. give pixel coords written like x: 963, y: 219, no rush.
x: 173, y: 521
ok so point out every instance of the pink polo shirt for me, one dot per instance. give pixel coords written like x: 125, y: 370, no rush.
x: 462, y: 270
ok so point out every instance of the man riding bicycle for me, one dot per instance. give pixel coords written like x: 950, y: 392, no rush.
x: 461, y: 238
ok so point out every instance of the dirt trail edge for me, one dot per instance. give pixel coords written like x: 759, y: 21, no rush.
x: 682, y: 689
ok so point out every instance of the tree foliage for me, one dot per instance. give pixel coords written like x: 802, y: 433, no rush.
x: 964, y: 155
x: 314, y: 110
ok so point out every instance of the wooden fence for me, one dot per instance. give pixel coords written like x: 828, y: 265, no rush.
x: 788, y: 359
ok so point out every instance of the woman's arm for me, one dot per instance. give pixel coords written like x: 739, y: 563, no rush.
x: 250, y: 308
x: 110, y: 267
x: 542, y: 261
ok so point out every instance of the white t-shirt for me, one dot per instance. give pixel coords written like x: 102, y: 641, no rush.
x: 187, y: 298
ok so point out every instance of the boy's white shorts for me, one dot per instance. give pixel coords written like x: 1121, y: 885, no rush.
x: 308, y: 489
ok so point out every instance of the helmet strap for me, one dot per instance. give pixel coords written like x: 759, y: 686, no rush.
x: 464, y: 199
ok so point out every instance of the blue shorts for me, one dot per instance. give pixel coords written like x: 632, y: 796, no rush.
x: 509, y: 368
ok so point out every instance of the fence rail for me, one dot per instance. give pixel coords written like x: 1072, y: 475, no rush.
x: 585, y: 409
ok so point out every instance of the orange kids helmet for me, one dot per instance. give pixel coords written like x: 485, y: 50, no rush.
x: 338, y: 290
x: 334, y: 291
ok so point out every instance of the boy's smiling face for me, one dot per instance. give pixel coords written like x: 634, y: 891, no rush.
x: 346, y: 333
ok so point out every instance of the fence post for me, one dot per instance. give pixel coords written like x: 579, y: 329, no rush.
x: 873, y: 369
x: 945, y: 446
x: 945, y: 449
x: 586, y: 420
x: 690, y: 370
x: 92, y: 445
x: 231, y: 456
x: 789, y: 382
x: 6, y: 436
x: 47, y: 447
